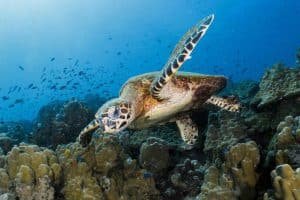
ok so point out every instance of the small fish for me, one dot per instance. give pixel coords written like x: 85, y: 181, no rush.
x: 19, y: 101
x: 52, y: 59
x: 119, y: 53
x: 53, y: 87
x: 21, y: 68
x: 30, y: 85
x: 81, y: 73
x: 68, y: 82
x: 63, y: 87
x: 34, y: 87
x: 76, y: 63
x: 4, y: 98
x: 11, y: 105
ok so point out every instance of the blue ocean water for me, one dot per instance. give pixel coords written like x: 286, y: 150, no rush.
x: 53, y: 49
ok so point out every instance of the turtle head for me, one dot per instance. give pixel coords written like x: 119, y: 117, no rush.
x: 115, y: 115
x: 112, y: 117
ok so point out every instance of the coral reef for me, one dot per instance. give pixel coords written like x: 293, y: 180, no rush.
x: 30, y: 172
x: 169, y: 133
x: 224, y: 130
x: 12, y: 133
x: 236, y: 178
x: 284, y: 147
x: 286, y: 182
x: 234, y: 157
x: 186, y: 179
x: 60, y: 123
x: 154, y: 155
x: 244, y: 90
x: 104, y: 171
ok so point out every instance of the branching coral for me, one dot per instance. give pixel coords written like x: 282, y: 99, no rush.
x: 33, y: 172
x: 236, y: 178
x: 286, y: 182
x: 284, y: 147
x: 103, y: 170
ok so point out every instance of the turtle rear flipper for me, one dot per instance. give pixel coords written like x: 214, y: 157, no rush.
x: 188, y: 129
x: 227, y: 103
x: 180, y: 54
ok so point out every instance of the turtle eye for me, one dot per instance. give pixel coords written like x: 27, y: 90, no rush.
x: 116, y: 113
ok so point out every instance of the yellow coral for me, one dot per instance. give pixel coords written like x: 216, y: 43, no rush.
x: 216, y: 186
x: 237, y: 177
x: 286, y: 182
x: 4, y: 181
x: 25, y: 175
x: 242, y: 159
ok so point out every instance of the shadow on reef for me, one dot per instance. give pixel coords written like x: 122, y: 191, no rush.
x: 253, y: 154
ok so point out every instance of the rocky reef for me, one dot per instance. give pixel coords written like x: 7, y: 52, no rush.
x: 252, y: 154
x: 60, y: 123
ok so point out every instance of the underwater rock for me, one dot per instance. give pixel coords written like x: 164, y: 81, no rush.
x: 60, y: 123
x: 154, y: 155
x: 244, y: 90
x: 31, y: 172
x: 286, y: 182
x: 12, y: 133
x: 133, y: 139
x: 6, y: 142
x: 284, y: 146
x: 236, y: 178
x: 278, y: 84
x: 224, y: 130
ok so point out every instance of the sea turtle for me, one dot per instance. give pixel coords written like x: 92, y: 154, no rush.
x: 160, y: 97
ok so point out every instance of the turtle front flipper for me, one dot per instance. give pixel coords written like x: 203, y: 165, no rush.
x: 188, y: 129
x: 227, y: 103
x: 85, y: 135
x: 180, y: 54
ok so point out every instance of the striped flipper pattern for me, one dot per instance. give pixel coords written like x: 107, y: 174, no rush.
x: 180, y: 54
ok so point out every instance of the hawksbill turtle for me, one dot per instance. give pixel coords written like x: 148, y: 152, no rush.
x: 160, y: 97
